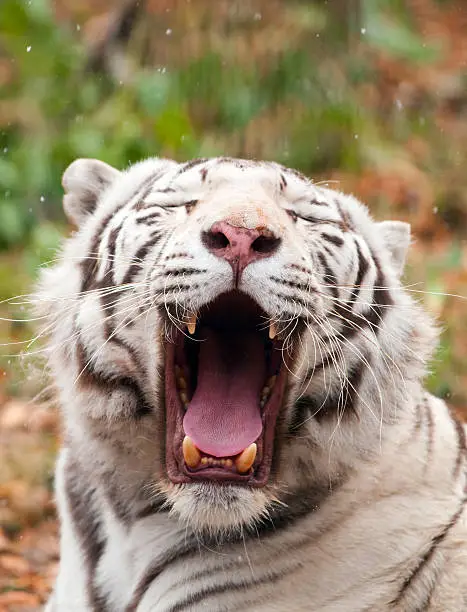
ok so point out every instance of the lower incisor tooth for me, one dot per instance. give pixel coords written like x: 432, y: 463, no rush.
x: 191, y: 454
x: 246, y: 459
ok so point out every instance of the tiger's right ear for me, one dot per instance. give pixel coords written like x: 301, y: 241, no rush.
x: 84, y: 181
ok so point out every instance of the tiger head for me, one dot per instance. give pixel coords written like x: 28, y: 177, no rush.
x: 229, y: 339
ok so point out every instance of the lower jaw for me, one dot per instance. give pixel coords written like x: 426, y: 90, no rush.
x: 177, y: 470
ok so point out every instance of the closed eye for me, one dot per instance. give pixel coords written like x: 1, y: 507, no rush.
x: 315, y: 220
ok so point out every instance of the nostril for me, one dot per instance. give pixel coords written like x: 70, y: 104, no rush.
x: 215, y: 240
x: 265, y: 245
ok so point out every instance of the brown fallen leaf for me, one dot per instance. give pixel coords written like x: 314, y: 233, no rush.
x: 5, y: 543
x: 14, y: 414
x: 14, y: 564
x: 19, y: 598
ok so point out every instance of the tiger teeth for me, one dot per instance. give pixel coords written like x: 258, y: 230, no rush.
x: 271, y: 381
x: 191, y: 454
x: 246, y: 459
x: 192, y: 323
x: 272, y: 330
x: 184, y: 398
x: 266, y: 390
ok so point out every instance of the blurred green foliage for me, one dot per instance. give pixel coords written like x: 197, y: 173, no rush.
x: 58, y: 110
x: 300, y: 82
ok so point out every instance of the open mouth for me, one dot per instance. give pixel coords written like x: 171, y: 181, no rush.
x: 224, y: 386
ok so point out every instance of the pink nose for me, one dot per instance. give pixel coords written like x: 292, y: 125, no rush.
x: 240, y: 246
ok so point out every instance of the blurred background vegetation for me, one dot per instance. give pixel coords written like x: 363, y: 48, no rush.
x: 368, y: 94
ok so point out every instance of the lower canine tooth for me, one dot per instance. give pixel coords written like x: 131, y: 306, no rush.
x: 191, y: 454
x: 192, y: 323
x: 244, y: 461
x: 272, y: 330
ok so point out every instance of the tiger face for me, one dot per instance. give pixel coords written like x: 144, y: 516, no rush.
x: 219, y: 326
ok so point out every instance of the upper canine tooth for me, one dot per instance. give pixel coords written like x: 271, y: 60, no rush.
x: 192, y: 323
x: 271, y: 381
x: 272, y: 330
x: 191, y: 454
x: 246, y: 459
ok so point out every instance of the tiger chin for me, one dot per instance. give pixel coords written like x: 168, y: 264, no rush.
x: 240, y: 373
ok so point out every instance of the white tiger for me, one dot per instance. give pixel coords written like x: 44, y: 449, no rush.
x: 245, y: 428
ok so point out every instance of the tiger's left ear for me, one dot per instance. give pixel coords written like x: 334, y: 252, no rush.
x: 396, y: 239
x: 84, y: 181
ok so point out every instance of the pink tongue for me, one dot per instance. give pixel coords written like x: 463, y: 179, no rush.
x: 224, y: 417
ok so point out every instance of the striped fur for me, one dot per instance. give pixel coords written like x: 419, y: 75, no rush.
x: 364, y: 508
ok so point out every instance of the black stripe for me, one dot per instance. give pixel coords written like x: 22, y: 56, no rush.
x: 195, y: 598
x: 417, y: 424
x: 141, y: 253
x: 122, y: 507
x: 430, y: 433
x: 347, y: 224
x: 130, y: 350
x: 363, y: 266
x: 108, y: 302
x: 342, y: 402
x: 184, y: 271
x: 461, y: 446
x: 303, y: 269
x: 373, y: 316
x: 293, y: 299
x: 301, y: 413
x: 89, y: 377
x: 89, y: 264
x: 165, y: 190
x: 192, y: 163
x: 153, y: 507
x: 328, y: 277
x: 149, y: 219
x: 315, y: 202
x: 381, y: 298
x: 111, y: 245
x: 157, y: 567
x: 87, y: 527
x: 426, y: 558
x: 179, y: 287
x: 297, y: 174
x: 283, y: 182
x: 289, y: 283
